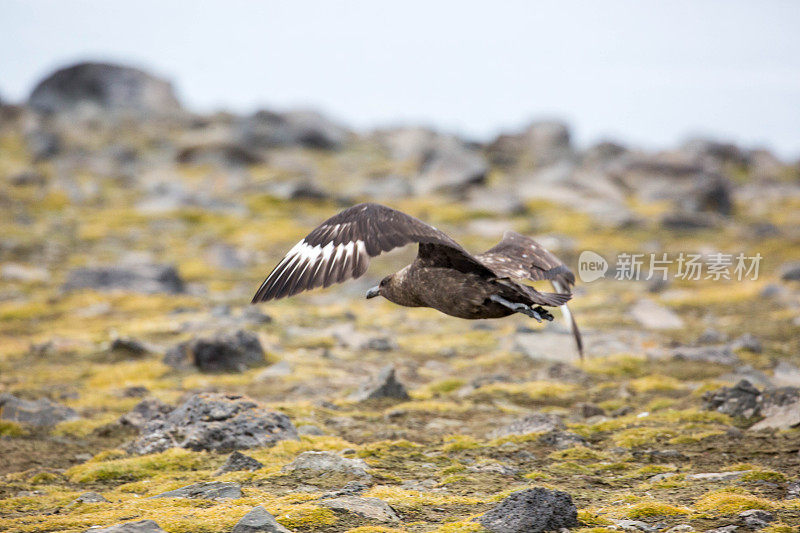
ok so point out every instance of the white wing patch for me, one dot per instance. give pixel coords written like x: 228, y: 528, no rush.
x: 316, y: 263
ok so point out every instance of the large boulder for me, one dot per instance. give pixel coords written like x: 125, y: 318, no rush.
x: 224, y: 352
x: 384, y: 385
x: 40, y: 412
x: 213, y: 421
x: 140, y: 526
x: 690, y: 186
x: 541, y: 144
x: 267, y: 129
x: 443, y: 162
x: 531, y: 511
x: 779, y: 406
x: 323, y: 463
x: 258, y: 520
x: 143, y: 278
x: 107, y: 86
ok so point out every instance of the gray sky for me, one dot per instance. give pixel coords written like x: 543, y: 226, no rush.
x: 646, y: 73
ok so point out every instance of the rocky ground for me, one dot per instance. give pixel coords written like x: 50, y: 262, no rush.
x: 137, y: 385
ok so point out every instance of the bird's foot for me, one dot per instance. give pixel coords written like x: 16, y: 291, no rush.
x: 539, y: 313
x: 526, y: 310
x: 544, y: 313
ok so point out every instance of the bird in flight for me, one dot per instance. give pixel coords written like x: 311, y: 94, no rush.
x: 444, y: 276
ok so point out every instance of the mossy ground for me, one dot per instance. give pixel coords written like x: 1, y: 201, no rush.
x: 424, y: 452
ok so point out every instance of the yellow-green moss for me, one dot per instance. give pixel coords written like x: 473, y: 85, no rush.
x: 10, y: 429
x: 457, y: 443
x: 462, y: 526
x: 132, y: 468
x: 538, y: 475
x: 728, y: 502
x: 304, y: 516
x: 578, y: 453
x: 650, y: 509
x: 764, y: 475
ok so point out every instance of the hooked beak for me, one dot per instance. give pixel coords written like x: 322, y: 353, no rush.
x: 373, y: 292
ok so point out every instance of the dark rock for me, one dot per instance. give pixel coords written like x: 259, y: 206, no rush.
x: 42, y: 412
x: 533, y: 423
x: 685, y: 221
x: 688, y: 185
x: 450, y: 168
x: 622, y: 411
x: 385, y: 385
x: 224, y: 352
x: 28, y: 178
x: 531, y: 511
x: 254, y: 315
x: 718, y: 354
x: 128, y: 346
x: 299, y: 190
x: 238, y: 461
x: 266, y: 129
x: 140, y: 526
x: 258, y: 520
x: 211, y: 490
x: 90, y: 497
x: 561, y: 439
x: 369, y: 508
x: 146, y: 411
x: 218, y: 154
x: 588, y: 410
x: 790, y: 271
x: 143, y: 278
x: 543, y: 143
x: 220, y: 422
x: 756, y: 518
x: 707, y: 151
x: 136, y: 391
x: 351, y: 488
x: 110, y: 87
x: 740, y: 400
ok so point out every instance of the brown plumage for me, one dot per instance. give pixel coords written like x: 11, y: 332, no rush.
x: 443, y: 276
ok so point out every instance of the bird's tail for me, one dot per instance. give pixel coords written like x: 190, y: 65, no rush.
x: 570, y: 318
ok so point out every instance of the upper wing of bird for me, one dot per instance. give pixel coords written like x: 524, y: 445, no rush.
x: 341, y: 247
x: 520, y: 257
x: 517, y: 256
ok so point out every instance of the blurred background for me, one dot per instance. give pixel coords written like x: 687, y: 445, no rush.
x: 650, y: 75
x: 157, y: 159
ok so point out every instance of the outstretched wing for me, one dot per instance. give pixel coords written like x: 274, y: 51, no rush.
x: 520, y: 257
x: 341, y: 247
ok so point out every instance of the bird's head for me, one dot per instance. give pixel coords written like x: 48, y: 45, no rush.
x: 376, y: 290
